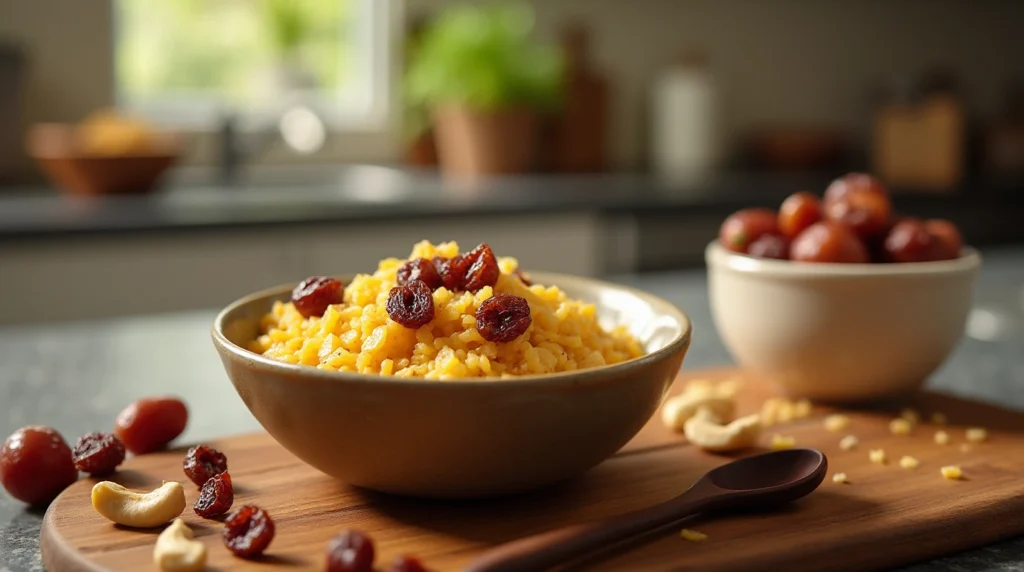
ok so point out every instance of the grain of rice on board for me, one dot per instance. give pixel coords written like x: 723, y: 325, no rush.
x: 358, y: 335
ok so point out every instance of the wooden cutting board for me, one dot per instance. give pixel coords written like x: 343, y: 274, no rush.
x: 885, y: 517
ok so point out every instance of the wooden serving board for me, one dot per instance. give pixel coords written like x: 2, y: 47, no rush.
x: 885, y: 517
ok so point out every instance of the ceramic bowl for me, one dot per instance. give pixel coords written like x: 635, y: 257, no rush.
x: 460, y: 438
x: 840, y: 332
x: 73, y: 171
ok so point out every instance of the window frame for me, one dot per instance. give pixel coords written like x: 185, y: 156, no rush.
x: 374, y: 30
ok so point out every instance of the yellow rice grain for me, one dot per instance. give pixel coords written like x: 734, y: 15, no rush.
x: 780, y: 442
x: 836, y: 422
x: 908, y: 462
x: 976, y: 434
x: 877, y: 456
x: 900, y: 426
x: 692, y: 535
x: 848, y: 443
x: 358, y: 336
x: 952, y: 472
x: 802, y: 409
x: 910, y: 415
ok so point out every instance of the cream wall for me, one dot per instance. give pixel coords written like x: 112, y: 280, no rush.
x: 794, y: 61
x: 69, y: 52
x: 70, y: 46
x: 803, y: 61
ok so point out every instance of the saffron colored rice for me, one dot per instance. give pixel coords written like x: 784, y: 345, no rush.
x: 358, y: 335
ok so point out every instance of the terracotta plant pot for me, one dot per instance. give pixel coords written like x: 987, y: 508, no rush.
x: 422, y: 151
x: 473, y: 143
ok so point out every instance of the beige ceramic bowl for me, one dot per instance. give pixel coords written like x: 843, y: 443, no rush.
x: 460, y: 438
x: 840, y: 332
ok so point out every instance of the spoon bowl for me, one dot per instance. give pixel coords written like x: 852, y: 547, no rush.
x: 768, y: 479
x: 761, y: 481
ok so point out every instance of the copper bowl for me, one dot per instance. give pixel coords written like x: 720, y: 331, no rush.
x: 74, y: 170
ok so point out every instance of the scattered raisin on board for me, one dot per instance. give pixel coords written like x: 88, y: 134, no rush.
x: 350, y: 551
x: 98, y: 453
x: 248, y: 531
x: 216, y: 496
x: 407, y: 564
x: 202, y: 462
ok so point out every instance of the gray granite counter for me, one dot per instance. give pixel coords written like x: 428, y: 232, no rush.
x: 77, y: 376
x: 283, y: 196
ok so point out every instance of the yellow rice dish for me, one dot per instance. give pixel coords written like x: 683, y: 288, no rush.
x: 359, y: 336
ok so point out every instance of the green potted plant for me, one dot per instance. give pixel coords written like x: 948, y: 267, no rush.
x: 484, y: 82
x: 288, y: 28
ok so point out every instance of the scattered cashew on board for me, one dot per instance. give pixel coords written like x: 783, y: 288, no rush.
x: 176, y: 549
x: 705, y: 412
x: 138, y: 510
x: 706, y: 431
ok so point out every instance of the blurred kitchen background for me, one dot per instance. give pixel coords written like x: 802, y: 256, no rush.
x: 163, y: 155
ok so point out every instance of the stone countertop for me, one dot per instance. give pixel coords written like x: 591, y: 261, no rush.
x: 77, y: 376
x: 324, y: 195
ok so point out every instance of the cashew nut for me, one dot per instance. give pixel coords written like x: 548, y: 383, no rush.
x: 176, y: 551
x: 139, y: 510
x: 726, y: 388
x: 705, y: 431
x: 700, y: 387
x: 679, y: 409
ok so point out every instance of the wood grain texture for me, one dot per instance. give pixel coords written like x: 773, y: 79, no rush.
x: 887, y: 516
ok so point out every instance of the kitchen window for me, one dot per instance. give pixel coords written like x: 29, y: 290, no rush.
x: 185, y: 63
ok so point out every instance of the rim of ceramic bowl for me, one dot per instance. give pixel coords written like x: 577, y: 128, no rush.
x: 717, y: 255
x: 662, y: 306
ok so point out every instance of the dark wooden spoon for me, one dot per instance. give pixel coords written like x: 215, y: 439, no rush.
x: 756, y: 482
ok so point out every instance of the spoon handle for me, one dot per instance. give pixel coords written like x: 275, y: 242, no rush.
x: 548, y: 549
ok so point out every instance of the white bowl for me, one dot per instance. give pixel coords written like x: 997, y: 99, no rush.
x: 840, y: 332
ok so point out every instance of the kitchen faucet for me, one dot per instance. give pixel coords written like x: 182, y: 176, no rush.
x: 299, y: 127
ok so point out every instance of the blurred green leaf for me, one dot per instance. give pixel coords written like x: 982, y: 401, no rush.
x: 484, y: 56
x: 287, y: 22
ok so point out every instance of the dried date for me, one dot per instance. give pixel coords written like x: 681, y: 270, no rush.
x: 151, y: 423
x: 36, y: 464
